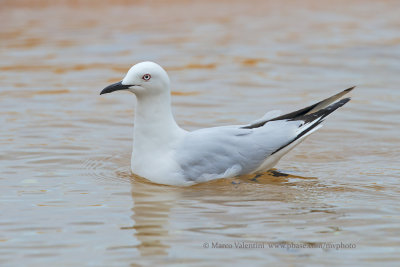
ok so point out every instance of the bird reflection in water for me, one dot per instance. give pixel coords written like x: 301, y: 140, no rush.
x: 152, y: 203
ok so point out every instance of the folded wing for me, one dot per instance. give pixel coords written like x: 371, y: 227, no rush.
x: 235, y: 150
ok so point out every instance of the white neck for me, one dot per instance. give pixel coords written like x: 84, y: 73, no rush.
x: 153, y: 116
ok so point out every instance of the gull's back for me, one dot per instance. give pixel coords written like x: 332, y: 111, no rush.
x: 227, y: 151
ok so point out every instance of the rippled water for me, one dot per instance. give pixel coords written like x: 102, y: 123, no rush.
x: 67, y: 196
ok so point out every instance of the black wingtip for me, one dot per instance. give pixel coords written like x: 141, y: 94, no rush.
x: 349, y: 89
x: 322, y: 113
x: 318, y: 117
x: 301, y: 113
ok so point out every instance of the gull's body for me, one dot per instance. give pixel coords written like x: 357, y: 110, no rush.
x: 164, y: 153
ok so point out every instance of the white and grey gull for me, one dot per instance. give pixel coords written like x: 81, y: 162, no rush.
x: 164, y: 153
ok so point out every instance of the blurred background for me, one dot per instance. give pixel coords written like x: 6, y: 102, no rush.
x: 67, y: 195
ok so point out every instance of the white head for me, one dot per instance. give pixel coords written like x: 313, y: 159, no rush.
x: 145, y: 78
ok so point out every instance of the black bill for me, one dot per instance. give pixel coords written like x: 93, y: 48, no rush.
x: 114, y: 87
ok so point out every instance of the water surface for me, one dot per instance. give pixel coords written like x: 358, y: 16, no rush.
x: 67, y: 196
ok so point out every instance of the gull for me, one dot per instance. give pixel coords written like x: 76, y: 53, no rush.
x: 164, y: 153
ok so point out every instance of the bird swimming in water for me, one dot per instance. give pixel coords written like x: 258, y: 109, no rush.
x: 164, y: 153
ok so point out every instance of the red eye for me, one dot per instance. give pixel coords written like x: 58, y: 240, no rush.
x: 146, y: 77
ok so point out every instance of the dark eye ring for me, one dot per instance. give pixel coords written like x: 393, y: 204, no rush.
x: 146, y: 77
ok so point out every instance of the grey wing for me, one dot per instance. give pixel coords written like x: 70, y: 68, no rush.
x: 234, y: 150
x: 231, y: 150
